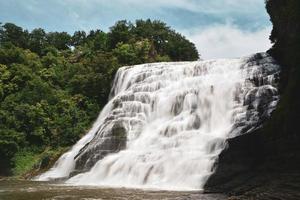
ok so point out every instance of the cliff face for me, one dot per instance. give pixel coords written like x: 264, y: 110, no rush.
x: 265, y: 164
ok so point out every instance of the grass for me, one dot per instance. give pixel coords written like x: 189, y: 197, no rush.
x: 27, y: 162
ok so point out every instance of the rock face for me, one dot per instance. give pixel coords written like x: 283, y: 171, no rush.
x: 265, y: 164
x: 260, y: 164
x: 111, y: 141
x: 255, y: 167
x: 238, y: 162
x: 261, y: 94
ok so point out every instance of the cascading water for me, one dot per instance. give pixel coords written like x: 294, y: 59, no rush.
x: 166, y: 123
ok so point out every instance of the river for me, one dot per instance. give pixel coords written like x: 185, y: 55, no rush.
x: 33, y: 190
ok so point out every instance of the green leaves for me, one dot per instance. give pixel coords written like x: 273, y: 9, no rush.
x: 159, y: 40
x: 52, y: 85
x: 9, y: 145
x: 125, y: 53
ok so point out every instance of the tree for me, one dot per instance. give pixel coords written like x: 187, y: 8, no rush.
x: 10, y: 141
x: 37, y: 40
x: 125, y: 54
x: 78, y: 38
x: 14, y: 34
x: 100, y: 41
x: 120, y: 32
x: 60, y: 41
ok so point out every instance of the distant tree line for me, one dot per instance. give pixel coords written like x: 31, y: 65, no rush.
x: 53, y: 84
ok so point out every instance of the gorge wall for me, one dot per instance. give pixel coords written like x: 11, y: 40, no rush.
x: 265, y: 164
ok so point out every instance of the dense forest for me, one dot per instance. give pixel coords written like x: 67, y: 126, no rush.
x: 53, y: 84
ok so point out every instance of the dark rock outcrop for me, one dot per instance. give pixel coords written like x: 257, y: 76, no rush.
x: 265, y: 164
x: 255, y: 166
x: 111, y: 141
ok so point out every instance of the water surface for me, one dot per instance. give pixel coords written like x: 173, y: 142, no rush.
x: 31, y: 190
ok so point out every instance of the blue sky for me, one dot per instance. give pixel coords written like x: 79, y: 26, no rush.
x: 219, y: 28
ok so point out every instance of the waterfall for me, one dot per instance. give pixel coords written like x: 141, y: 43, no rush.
x: 166, y: 123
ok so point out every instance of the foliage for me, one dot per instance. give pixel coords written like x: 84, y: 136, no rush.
x: 27, y: 160
x: 52, y: 85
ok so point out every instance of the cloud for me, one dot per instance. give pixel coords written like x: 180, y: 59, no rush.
x: 90, y: 14
x: 228, y: 41
x: 216, y: 6
x: 201, y: 20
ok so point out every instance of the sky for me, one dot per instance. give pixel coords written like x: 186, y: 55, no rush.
x: 219, y: 28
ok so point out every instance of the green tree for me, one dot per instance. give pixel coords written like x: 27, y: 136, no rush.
x: 125, y: 53
x: 50, y: 94
x: 78, y: 38
x: 60, y: 41
x: 37, y: 40
x: 14, y: 34
x: 120, y: 32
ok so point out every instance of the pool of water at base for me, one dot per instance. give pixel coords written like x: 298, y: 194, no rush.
x: 32, y: 190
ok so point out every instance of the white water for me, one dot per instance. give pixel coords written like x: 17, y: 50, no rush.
x: 177, y: 118
x: 65, y: 164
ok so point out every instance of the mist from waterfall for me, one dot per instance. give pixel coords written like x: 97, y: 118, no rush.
x: 175, y: 118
